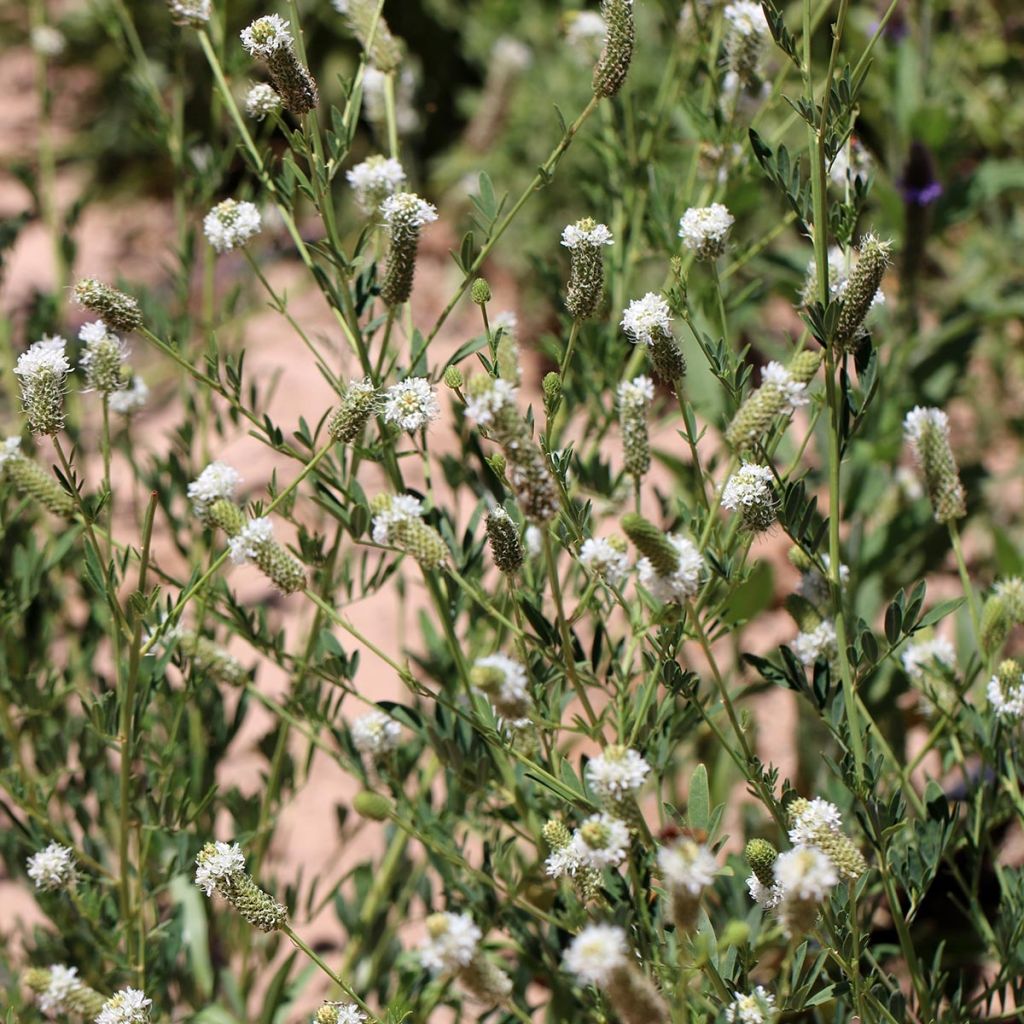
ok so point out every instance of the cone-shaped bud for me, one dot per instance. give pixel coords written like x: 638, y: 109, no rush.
x: 453, y: 378
x: 860, y: 291
x: 360, y: 402
x: 405, y: 214
x: 635, y: 397
x: 119, y: 311
x: 503, y: 537
x: 103, y: 359
x: 552, y: 388
x: 227, y: 516
x: 927, y: 430
x: 373, y: 806
x: 212, y: 659
x: 531, y: 480
x: 30, y: 480
x: 398, y: 522
x: 480, y: 292
x: 760, y: 855
x: 613, y: 64
x: 585, y: 240
x: 652, y: 543
x: 667, y: 359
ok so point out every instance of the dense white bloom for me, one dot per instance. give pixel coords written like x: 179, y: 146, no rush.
x: 46, y: 356
x: 411, y: 404
x: 373, y: 180
x: 514, y: 681
x: 246, y: 543
x: 794, y: 392
x: 266, y: 35
x: 63, y: 984
x: 99, y: 345
x: 339, y: 1013
x: 704, y: 229
x: 636, y: 392
x: 261, y: 101
x: 48, y: 41
x: 605, y: 560
x: 924, y: 655
x: 806, y: 874
x: 219, y: 865
x: 683, y: 582
x: 451, y: 943
x: 533, y: 540
x: 218, y: 480
x: 190, y: 12
x: 1007, y: 700
x: 483, y: 406
x: 817, y: 815
x: 617, y: 772
x: 10, y: 449
x: 52, y: 868
x: 817, y: 645
x: 129, y: 1006
x: 575, y: 235
x: 403, y: 508
x: 756, y: 1008
x: 839, y: 267
x: 767, y: 896
x: 375, y: 733
x: 647, y: 319
x: 750, y: 486
x: 130, y: 399
x: 563, y: 862
x: 687, y: 865
x: 922, y: 418
x: 602, y: 841
x: 409, y: 208
x: 596, y: 953
x: 231, y: 224
x: 747, y: 18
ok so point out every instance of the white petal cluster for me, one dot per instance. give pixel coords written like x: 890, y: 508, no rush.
x: 94, y: 334
x: 190, y: 12
x: 339, y: 1013
x: 130, y: 399
x: 10, y: 449
x: 129, y: 1006
x: 245, y: 545
x: 64, y: 983
x: 563, y: 862
x: 925, y: 655
x: 451, y: 943
x: 266, y: 35
x: 637, y: 392
x: 806, y: 874
x: 586, y: 233
x: 817, y: 815
x: 411, y: 404
x: 596, y: 953
x: 514, y: 687
x: 922, y: 418
x: 403, y: 508
x: 375, y: 733
x: 605, y: 560
x: 602, y: 841
x: 213, y: 868
x: 747, y: 18
x: 408, y: 208
x: 373, y: 180
x: 52, y: 868
x: 47, y: 41
x: 794, y: 392
x: 1007, y: 700
x: 817, y: 645
x: 261, y: 101
x: 680, y: 585
x: 46, y: 356
x: 230, y: 224
x: 687, y: 865
x: 704, y: 229
x: 484, y: 406
x: 218, y: 480
x: 767, y: 896
x: 751, y: 486
x: 756, y: 1008
x: 616, y: 773
x: 648, y: 319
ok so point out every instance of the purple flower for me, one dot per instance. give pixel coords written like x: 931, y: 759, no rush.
x: 919, y: 185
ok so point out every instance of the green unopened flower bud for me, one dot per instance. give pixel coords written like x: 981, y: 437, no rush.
x: 782, y: 390
x: 503, y: 537
x: 667, y: 359
x: 360, y: 402
x: 268, y: 38
x: 374, y: 806
x: 255, y: 543
x: 613, y: 64
x: 552, y: 387
x: 103, y: 359
x: 635, y: 397
x: 30, y: 480
x: 212, y: 659
x: 584, y: 240
x: 43, y: 372
x: 927, y: 430
x: 760, y: 855
x: 384, y: 51
x: 453, y: 378
x: 1003, y: 610
x: 735, y: 933
x: 556, y: 834
x: 405, y: 214
x: 225, y: 515
x: 860, y: 291
x: 480, y: 292
x: 652, y: 543
x: 114, y: 308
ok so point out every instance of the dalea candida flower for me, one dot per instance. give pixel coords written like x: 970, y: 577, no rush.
x: 189, y: 12
x: 375, y: 734
x: 404, y: 214
x: 398, y: 523
x: 927, y: 432
x: 606, y: 558
x: 620, y: 31
x: 411, y: 404
x: 363, y: 20
x: 647, y: 321
x: 602, y: 841
x: 231, y: 224
x: 1004, y: 609
x: 746, y: 40
x: 30, y: 480
x: 705, y: 230
x: 360, y: 401
x: 688, y: 868
x: 806, y: 876
x: 131, y: 399
x: 757, y: 1007
x: 220, y: 869
x: 52, y: 868
x: 212, y: 494
x: 860, y: 291
x: 338, y: 1013
x: 818, y: 823
x: 207, y: 656
x: 103, y: 359
x: 452, y: 947
x: 504, y: 541
x: 269, y: 39
x: 129, y: 1006
x: 42, y: 372
x: 616, y: 773
x: 817, y: 644
x: 634, y: 401
x: 375, y: 179
x: 61, y: 993
x: 491, y: 401
x: 671, y: 565
x: 116, y: 309
x: 585, y: 241
x: 503, y: 681
x: 751, y: 491
x: 255, y: 543
x: 1006, y: 692
x: 936, y: 654
x: 760, y: 855
x: 783, y: 390
x: 261, y: 101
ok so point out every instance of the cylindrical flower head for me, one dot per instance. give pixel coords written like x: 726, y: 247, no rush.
x: 385, y: 52
x: 584, y: 240
x: 30, y: 480
x: 531, y: 480
x: 652, y: 543
x: 806, y: 876
x: 505, y: 684
x: 485, y: 981
x: 52, y: 868
x: 187, y: 12
x: 372, y: 181
x: 1005, y: 691
x: 635, y: 397
x: 43, y: 372
x: 129, y: 1006
x: 211, y: 659
x: 817, y: 823
x: 705, y: 230
x: 746, y: 39
x: 613, y: 64
x: 405, y: 214
x: 758, y: 1007
x: 103, y: 359
x: 782, y: 391
x: 119, y: 311
x: 667, y: 360
x: 398, y: 522
x: 268, y: 37
x: 1003, y: 610
x: 688, y: 869
x: 230, y: 224
x: 503, y: 537
x: 411, y: 404
x: 360, y: 402
x: 60, y: 992
x: 261, y: 101
x: 860, y: 291
x: 606, y: 558
x: 751, y: 490
x: 339, y: 1013
x: 927, y: 430
x: 255, y: 543
x: 218, y: 481
x: 761, y: 855
x: 220, y: 868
